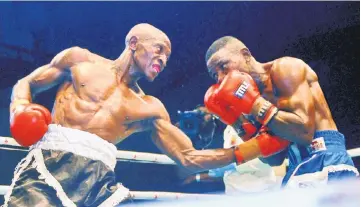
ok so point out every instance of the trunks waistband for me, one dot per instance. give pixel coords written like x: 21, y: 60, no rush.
x: 79, y: 143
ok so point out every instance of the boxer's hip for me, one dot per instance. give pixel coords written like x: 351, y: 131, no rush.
x: 325, y: 159
x: 67, y: 167
x: 63, y: 179
x: 78, y: 142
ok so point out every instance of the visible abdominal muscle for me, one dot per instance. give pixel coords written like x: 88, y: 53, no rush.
x: 73, y: 110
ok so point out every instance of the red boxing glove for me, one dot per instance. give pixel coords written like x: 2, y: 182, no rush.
x: 245, y: 128
x: 239, y: 92
x: 270, y: 144
x: 217, y: 105
x: 214, y: 104
x: 29, y: 123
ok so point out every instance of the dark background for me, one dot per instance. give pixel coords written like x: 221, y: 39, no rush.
x: 323, y: 34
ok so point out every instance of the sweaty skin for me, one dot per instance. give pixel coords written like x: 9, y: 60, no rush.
x: 102, y: 96
x: 288, y: 83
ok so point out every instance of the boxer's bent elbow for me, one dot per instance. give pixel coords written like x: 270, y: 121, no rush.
x: 293, y: 127
x: 306, y: 128
x: 307, y: 132
x: 303, y: 138
x: 306, y: 139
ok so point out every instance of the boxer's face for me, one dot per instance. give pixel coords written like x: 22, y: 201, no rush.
x: 151, y: 56
x: 221, y: 63
x: 225, y: 60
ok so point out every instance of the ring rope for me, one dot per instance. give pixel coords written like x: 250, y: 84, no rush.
x: 148, y: 195
x: 122, y: 155
x: 140, y: 157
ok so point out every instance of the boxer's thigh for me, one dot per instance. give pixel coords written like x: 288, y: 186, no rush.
x: 341, y: 166
x: 29, y: 190
x: 86, y: 182
x: 322, y: 168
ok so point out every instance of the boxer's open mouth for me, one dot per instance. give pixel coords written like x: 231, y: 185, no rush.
x: 156, y: 67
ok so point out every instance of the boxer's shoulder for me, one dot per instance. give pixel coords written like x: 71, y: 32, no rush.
x: 288, y: 71
x: 293, y: 68
x: 71, y: 56
x: 79, y: 55
x: 153, y: 101
x: 288, y: 64
x: 157, y: 106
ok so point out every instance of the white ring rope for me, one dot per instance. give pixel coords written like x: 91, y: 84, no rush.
x: 147, y: 195
x: 142, y: 157
x: 4, y: 189
x: 124, y: 156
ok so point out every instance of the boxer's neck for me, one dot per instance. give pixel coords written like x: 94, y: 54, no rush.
x: 125, y: 69
x: 261, y: 75
x: 267, y: 76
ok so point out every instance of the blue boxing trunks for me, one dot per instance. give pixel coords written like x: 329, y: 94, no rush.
x: 323, y: 161
x: 67, y: 167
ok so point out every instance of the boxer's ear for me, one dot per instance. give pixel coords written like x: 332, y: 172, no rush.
x: 246, y: 54
x: 133, y: 43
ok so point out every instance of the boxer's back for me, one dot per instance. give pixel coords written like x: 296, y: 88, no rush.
x: 94, y: 99
x: 323, y: 117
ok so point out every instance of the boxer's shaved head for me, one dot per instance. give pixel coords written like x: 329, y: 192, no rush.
x: 144, y: 32
x: 229, y: 42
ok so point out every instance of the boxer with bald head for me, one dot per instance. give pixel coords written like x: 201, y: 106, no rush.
x: 99, y: 103
x: 274, y: 104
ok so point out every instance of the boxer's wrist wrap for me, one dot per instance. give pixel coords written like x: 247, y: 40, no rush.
x: 265, y: 112
x: 238, y: 155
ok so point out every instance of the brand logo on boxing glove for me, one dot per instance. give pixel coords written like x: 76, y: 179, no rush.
x: 264, y: 108
x: 242, y: 89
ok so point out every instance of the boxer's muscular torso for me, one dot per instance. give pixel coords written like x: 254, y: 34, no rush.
x: 323, y: 119
x: 93, y: 98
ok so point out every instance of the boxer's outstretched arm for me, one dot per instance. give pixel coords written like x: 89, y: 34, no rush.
x: 295, y: 119
x: 44, y: 77
x: 174, y: 143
